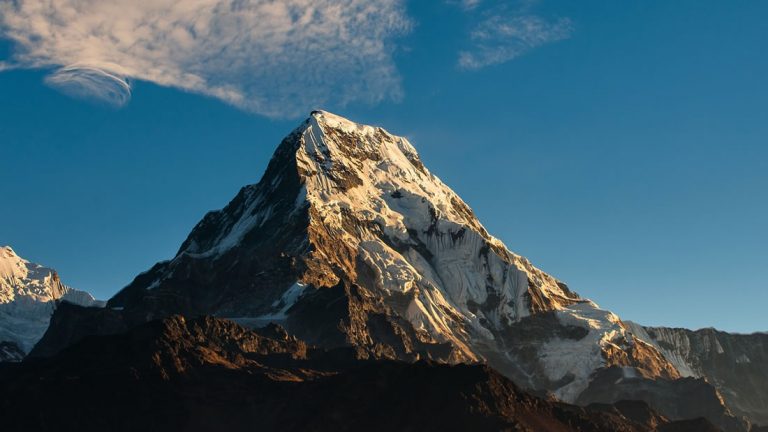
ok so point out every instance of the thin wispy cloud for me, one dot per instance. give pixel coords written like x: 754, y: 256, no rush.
x: 505, y: 34
x: 276, y: 58
x: 465, y: 4
x: 87, y: 82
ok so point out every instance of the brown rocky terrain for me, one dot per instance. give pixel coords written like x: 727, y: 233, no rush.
x: 207, y: 374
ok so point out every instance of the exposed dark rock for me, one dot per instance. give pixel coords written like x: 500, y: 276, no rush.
x: 675, y: 399
x: 736, y: 364
x: 695, y: 425
x: 71, y: 323
x: 207, y: 374
x: 10, y: 352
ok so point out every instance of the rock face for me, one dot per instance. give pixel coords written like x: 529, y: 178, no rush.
x: 678, y: 399
x: 736, y: 364
x: 349, y: 241
x: 28, y: 295
x: 208, y: 374
x: 10, y: 352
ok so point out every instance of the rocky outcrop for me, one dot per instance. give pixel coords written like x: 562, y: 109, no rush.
x: 736, y: 364
x: 209, y: 374
x: 72, y: 323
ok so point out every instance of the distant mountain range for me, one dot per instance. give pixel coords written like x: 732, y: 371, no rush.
x: 350, y: 243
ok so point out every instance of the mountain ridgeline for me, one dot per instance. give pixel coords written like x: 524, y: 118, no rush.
x: 349, y: 242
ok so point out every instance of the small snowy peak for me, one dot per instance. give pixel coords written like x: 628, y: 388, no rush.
x: 7, y: 252
x: 20, y: 278
x: 28, y: 295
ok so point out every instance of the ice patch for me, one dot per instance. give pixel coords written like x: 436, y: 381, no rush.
x: 582, y: 357
x: 286, y: 301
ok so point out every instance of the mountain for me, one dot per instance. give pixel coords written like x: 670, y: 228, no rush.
x: 736, y: 364
x: 348, y: 240
x: 209, y: 374
x: 349, y: 214
x: 28, y: 296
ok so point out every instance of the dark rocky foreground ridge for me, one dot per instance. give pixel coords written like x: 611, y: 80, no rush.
x: 208, y: 374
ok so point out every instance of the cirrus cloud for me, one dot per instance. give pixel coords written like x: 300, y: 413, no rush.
x: 276, y: 58
x: 88, y: 82
x: 509, y: 30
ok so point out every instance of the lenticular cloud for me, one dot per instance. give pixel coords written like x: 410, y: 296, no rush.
x: 91, y: 82
x: 276, y: 58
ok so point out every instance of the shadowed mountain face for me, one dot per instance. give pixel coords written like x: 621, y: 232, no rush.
x: 10, y: 352
x: 736, y: 364
x: 209, y: 374
x: 349, y: 241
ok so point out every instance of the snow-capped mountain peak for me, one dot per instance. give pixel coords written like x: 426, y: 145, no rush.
x: 20, y: 278
x: 28, y: 294
x: 349, y: 239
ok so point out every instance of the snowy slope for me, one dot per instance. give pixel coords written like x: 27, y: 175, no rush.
x: 28, y: 293
x: 350, y: 211
x: 464, y: 286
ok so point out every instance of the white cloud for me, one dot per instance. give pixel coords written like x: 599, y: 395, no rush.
x: 502, y: 37
x: 273, y: 57
x: 87, y: 82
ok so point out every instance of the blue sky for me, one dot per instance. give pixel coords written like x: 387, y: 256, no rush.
x: 621, y: 146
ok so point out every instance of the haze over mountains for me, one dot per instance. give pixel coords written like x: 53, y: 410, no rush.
x: 350, y: 243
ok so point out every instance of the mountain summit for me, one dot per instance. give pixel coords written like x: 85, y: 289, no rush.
x: 348, y: 239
